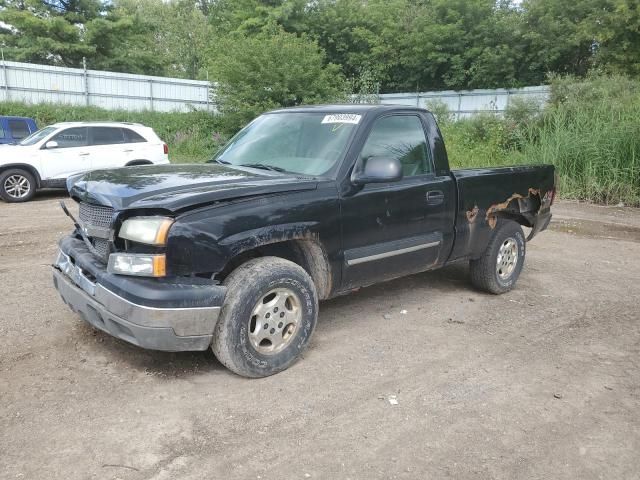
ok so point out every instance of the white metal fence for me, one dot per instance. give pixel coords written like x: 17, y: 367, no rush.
x: 465, y: 103
x: 30, y: 83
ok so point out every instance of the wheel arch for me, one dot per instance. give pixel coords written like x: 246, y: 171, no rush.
x: 304, y: 249
x: 138, y: 162
x: 520, y: 209
x: 23, y: 166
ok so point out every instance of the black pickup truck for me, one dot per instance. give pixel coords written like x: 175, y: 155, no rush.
x: 301, y: 205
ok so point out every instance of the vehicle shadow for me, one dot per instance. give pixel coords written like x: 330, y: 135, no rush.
x: 388, y: 295
x: 150, y: 362
x: 40, y: 196
x: 49, y: 194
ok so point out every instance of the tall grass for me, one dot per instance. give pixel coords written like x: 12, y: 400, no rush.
x: 590, y: 131
x: 191, y: 136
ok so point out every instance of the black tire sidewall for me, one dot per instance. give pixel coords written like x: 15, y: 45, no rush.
x: 510, y: 230
x: 236, y: 314
x: 17, y: 171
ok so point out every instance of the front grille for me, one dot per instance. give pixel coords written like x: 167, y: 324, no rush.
x: 96, y: 221
x: 96, y: 215
x: 102, y: 247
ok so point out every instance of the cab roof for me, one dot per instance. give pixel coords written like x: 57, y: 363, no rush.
x: 361, y: 108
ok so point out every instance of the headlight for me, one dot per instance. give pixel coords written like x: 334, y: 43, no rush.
x: 149, y: 230
x: 139, y: 264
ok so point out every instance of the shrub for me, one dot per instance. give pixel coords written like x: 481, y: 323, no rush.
x: 267, y: 71
x: 364, y: 88
x: 441, y: 111
x: 590, y: 131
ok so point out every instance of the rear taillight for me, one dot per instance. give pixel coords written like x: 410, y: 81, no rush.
x: 166, y: 148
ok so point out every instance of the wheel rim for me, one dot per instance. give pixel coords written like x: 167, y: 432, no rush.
x: 274, y: 321
x: 507, y: 258
x: 17, y: 186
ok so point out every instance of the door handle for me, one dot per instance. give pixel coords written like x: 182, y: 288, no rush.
x: 435, y: 197
x: 128, y: 151
x: 83, y: 154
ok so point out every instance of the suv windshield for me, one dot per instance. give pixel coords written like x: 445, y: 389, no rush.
x: 35, y: 137
x: 304, y: 143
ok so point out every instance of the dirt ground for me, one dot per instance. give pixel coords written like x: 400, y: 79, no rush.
x: 542, y: 382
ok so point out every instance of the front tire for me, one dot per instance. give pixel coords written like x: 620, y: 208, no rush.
x: 498, y: 269
x: 267, y: 319
x: 17, y: 185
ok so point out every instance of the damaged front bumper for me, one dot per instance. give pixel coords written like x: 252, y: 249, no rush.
x: 173, y: 315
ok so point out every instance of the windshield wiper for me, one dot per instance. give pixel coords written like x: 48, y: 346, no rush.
x: 218, y: 160
x: 263, y: 166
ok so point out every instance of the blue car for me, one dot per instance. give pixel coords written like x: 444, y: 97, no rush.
x: 14, y: 129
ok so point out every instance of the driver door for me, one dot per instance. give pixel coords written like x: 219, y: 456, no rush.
x: 70, y: 156
x: 395, y: 228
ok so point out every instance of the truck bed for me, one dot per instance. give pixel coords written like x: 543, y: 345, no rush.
x: 523, y: 193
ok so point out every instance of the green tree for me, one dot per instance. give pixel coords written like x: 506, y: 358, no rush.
x: 175, y: 33
x: 359, y: 36
x: 252, y: 17
x: 41, y: 32
x: 558, y: 35
x: 270, y: 70
x: 619, y: 39
x: 429, y: 44
x: 573, y: 38
x: 63, y: 32
x: 123, y: 43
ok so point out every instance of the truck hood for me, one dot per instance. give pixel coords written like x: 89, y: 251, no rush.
x: 179, y: 187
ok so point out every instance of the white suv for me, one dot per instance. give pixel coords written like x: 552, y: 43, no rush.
x: 47, y: 157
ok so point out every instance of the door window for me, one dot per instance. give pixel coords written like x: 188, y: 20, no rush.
x: 1, y: 131
x: 401, y: 137
x: 106, y: 136
x: 132, y: 137
x: 19, y: 128
x: 72, y: 137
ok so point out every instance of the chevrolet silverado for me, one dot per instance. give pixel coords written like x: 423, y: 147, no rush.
x: 301, y: 205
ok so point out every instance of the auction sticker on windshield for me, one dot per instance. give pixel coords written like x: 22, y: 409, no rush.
x: 342, y: 118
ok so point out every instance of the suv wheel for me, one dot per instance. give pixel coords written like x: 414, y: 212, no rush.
x: 267, y: 319
x: 17, y: 185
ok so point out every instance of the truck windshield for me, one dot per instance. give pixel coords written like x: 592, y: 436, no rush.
x: 35, y: 137
x: 303, y: 143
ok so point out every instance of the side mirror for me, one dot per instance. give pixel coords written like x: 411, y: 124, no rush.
x: 379, y: 170
x: 51, y: 144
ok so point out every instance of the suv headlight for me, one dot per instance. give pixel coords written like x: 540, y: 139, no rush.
x: 148, y: 230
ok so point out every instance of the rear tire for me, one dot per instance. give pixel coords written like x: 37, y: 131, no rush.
x: 498, y: 269
x: 267, y: 319
x: 17, y: 185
